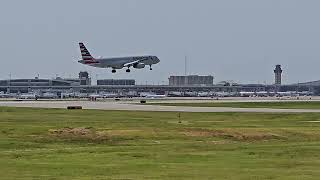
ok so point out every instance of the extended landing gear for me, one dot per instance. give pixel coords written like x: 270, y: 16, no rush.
x: 150, y: 68
x: 113, y: 71
x: 128, y: 70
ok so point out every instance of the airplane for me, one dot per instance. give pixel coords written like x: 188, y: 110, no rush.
x: 49, y: 95
x: 138, y: 62
x: 109, y: 95
x: 5, y: 95
x: 247, y: 94
x: 28, y: 96
x: 151, y: 95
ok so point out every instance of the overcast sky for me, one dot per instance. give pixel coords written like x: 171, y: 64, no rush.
x: 240, y: 40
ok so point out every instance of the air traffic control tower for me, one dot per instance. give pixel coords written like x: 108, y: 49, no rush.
x: 278, y: 75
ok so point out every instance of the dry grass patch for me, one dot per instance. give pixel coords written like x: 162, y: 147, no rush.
x: 93, y: 135
x: 80, y: 133
x: 232, y: 134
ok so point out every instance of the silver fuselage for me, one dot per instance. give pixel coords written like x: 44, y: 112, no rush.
x: 120, y: 62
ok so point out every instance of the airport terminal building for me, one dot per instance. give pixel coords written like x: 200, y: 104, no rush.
x: 39, y: 82
x: 116, y: 82
x: 191, y: 80
x: 28, y: 85
x: 177, y: 85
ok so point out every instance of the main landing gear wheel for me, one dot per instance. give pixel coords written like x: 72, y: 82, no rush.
x: 113, y: 71
x: 128, y: 70
x: 150, y: 68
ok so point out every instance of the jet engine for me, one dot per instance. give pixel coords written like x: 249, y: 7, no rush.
x: 139, y: 65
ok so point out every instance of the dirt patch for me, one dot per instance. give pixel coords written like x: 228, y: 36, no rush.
x: 231, y: 134
x: 80, y: 133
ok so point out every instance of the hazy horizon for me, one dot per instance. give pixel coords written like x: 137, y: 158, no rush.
x: 231, y: 39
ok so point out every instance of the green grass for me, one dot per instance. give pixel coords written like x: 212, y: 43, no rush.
x: 275, y: 105
x: 35, y: 144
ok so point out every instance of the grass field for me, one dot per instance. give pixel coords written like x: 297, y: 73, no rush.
x: 276, y: 105
x: 92, y: 144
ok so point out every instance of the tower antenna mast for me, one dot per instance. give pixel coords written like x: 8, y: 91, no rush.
x: 185, y: 65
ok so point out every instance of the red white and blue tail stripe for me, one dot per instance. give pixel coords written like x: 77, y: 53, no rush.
x: 86, y: 56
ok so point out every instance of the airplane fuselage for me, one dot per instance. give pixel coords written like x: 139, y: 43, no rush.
x: 120, y: 62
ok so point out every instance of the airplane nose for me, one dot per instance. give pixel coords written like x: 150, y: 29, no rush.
x: 157, y: 60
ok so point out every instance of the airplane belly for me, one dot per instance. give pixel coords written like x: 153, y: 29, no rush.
x: 117, y: 64
x: 98, y: 65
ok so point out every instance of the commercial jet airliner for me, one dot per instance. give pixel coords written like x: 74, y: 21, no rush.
x: 138, y: 62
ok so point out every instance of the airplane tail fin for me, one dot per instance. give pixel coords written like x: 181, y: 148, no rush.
x: 86, y: 56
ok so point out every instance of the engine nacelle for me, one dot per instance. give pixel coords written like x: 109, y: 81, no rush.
x: 139, y: 65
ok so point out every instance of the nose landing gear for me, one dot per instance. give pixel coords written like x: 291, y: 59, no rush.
x: 150, y: 68
x: 128, y: 70
x: 113, y: 71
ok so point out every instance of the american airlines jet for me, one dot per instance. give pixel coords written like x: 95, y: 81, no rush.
x: 138, y: 62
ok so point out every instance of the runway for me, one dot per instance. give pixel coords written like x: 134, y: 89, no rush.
x: 111, y: 105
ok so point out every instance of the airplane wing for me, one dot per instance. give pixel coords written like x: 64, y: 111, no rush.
x: 134, y: 62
